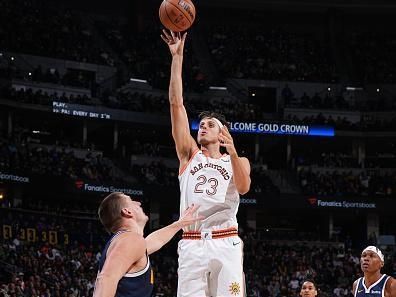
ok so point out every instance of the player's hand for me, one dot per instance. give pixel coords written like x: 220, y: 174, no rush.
x: 175, y: 41
x: 226, y: 141
x: 189, y: 216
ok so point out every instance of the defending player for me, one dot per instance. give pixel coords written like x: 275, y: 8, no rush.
x: 124, y: 268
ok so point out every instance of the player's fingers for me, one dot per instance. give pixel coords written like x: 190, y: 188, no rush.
x: 199, y: 218
x: 226, y: 139
x: 194, y: 208
x: 225, y: 131
x: 167, y: 34
x: 226, y: 134
x: 165, y: 39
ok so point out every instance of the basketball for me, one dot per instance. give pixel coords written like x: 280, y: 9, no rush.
x: 177, y: 15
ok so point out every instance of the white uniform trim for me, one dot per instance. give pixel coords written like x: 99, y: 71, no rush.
x: 357, y: 286
x: 138, y: 273
x: 383, y: 288
x: 367, y: 290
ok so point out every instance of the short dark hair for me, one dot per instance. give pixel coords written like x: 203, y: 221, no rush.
x: 211, y: 114
x: 310, y: 280
x: 110, y: 211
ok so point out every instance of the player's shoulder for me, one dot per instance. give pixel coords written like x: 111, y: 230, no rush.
x: 127, y: 241
x: 355, y: 284
x: 390, y: 287
x: 391, y: 284
x: 195, y: 153
x: 129, y: 235
x: 126, y: 249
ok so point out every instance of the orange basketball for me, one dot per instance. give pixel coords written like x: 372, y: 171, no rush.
x: 177, y: 15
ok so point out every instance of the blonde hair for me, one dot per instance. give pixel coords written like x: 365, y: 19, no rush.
x: 110, y: 211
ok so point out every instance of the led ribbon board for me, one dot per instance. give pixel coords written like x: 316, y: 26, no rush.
x: 276, y: 128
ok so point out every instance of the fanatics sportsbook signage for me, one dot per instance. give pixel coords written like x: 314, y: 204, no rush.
x: 248, y: 201
x: 316, y: 202
x: 89, y: 187
x: 14, y: 178
x: 276, y: 128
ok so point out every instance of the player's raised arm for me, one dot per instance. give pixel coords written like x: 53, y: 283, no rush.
x: 159, y: 238
x: 185, y: 144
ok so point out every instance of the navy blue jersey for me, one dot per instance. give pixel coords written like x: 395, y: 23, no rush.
x: 375, y: 290
x: 137, y: 284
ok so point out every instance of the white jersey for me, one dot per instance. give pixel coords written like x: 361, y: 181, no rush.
x: 209, y: 183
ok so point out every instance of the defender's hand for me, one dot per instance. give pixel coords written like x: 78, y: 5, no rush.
x: 189, y: 217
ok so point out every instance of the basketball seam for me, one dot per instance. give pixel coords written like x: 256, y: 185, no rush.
x: 160, y: 15
x: 185, y: 15
x: 170, y: 18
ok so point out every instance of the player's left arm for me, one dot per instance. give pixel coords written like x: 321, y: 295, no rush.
x: 391, y: 284
x: 240, y: 165
x: 159, y: 238
x: 355, y: 283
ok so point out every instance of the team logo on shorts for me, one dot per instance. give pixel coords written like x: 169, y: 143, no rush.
x: 235, y: 289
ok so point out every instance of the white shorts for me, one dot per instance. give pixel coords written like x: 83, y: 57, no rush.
x: 211, y: 267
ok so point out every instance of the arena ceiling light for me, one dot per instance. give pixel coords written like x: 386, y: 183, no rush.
x: 354, y: 89
x: 138, y: 80
x: 218, y: 88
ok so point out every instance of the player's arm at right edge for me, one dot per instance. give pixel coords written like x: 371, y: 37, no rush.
x: 390, y: 289
x: 355, y: 283
x: 120, y: 256
x: 185, y: 143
